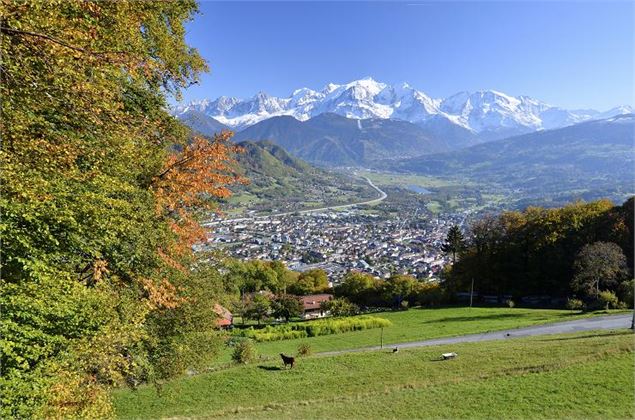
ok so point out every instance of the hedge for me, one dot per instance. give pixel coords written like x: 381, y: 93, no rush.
x: 313, y: 328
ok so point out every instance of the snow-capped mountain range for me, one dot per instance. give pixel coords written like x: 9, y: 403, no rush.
x: 479, y: 112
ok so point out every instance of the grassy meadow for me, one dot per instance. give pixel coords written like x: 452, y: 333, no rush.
x: 583, y: 375
x: 421, y: 324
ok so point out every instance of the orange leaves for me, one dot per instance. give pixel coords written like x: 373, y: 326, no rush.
x: 202, y: 168
x: 190, y: 179
x: 162, y: 294
x: 100, y: 269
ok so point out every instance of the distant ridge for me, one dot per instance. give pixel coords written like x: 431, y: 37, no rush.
x: 201, y: 123
x: 589, y: 160
x: 332, y: 140
x: 488, y: 114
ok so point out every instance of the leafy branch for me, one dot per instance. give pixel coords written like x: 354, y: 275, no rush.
x: 10, y: 31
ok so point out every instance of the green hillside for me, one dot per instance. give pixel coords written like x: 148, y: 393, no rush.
x: 279, y: 182
x: 586, y: 161
x: 332, y: 140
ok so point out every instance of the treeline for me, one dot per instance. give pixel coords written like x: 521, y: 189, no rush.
x: 399, y: 291
x: 577, y: 250
x: 264, y: 290
x: 274, y: 276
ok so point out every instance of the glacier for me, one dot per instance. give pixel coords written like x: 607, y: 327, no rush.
x: 485, y: 111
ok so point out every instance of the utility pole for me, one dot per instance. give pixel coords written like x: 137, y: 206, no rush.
x: 633, y: 320
x: 381, y: 340
x: 471, y: 292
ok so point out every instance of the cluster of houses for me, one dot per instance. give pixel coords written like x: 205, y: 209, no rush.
x: 338, y: 242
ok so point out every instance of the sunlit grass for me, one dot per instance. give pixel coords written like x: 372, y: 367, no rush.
x: 421, y: 324
x: 583, y: 375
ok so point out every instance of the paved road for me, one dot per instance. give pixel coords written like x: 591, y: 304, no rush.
x: 609, y: 322
x: 382, y: 196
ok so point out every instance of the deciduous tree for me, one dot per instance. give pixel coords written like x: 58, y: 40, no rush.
x: 100, y: 190
x: 287, y: 307
x: 600, y: 265
x: 310, y: 282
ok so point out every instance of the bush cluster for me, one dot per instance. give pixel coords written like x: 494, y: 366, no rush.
x: 313, y: 328
x: 575, y: 304
x: 244, y: 352
x: 304, y: 349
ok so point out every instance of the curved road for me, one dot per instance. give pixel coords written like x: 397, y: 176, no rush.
x: 382, y: 196
x: 609, y: 322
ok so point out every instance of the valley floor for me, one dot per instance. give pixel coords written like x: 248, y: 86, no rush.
x: 581, y: 375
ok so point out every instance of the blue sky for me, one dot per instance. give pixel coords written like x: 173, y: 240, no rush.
x: 571, y: 54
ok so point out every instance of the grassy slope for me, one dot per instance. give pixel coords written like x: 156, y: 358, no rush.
x: 575, y: 376
x: 279, y: 180
x: 422, y: 324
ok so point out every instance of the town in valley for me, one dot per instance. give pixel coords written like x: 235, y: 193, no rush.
x: 340, y: 241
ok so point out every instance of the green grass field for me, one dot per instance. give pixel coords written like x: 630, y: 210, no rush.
x: 401, y: 180
x: 421, y: 324
x: 583, y: 375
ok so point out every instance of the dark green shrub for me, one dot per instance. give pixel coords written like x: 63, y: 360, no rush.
x: 626, y: 291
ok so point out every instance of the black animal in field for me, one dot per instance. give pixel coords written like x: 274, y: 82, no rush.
x: 287, y: 360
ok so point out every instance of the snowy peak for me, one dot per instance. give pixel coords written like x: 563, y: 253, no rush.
x: 481, y: 112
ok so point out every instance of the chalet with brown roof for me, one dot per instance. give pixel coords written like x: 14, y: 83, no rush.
x: 312, y: 305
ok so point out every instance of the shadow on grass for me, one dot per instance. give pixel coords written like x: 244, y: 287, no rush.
x: 270, y: 368
x: 492, y: 317
x: 597, y: 334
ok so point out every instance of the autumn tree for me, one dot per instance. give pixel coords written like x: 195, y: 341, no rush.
x: 100, y: 192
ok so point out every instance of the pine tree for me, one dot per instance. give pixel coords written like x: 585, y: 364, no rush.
x: 454, y: 242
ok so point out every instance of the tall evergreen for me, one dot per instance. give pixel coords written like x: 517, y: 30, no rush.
x: 454, y: 242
